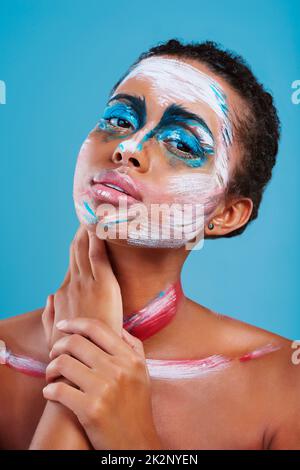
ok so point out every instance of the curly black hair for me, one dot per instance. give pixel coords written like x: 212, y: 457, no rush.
x: 258, y: 130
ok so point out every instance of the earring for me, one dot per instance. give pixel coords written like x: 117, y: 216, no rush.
x: 210, y: 226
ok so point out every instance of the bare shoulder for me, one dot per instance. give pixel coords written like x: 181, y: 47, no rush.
x: 272, y: 379
x: 230, y: 336
x: 284, y: 399
x: 23, y: 334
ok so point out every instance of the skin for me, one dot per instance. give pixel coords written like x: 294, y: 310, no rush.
x: 243, y: 407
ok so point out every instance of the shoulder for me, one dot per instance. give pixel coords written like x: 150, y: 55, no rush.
x: 284, y: 425
x: 271, y: 381
x: 230, y: 336
x: 23, y: 334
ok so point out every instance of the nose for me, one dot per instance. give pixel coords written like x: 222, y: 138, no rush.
x: 129, y: 153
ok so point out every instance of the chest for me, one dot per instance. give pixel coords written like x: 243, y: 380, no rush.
x: 188, y: 414
x: 205, y: 415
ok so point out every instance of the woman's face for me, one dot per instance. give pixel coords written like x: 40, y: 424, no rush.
x: 166, y: 139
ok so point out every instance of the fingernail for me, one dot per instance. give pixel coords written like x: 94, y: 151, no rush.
x: 61, y: 324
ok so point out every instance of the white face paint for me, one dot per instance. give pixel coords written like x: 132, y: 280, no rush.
x: 172, y: 81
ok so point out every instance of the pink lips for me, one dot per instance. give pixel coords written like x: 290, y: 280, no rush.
x: 124, y: 188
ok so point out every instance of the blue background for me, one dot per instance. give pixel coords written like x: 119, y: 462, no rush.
x: 59, y: 59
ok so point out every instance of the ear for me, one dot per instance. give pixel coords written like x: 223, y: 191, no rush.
x: 230, y: 217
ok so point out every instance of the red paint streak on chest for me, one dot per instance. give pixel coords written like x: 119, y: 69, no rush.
x: 268, y: 348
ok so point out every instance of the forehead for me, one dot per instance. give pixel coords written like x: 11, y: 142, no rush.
x: 173, y: 80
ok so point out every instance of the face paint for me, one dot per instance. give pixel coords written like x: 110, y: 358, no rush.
x: 156, y: 315
x: 186, y: 369
x: 112, y: 116
x: 259, y: 352
x: 197, y: 368
x: 173, y: 80
x: 184, y: 139
x: 22, y: 364
x: 161, y: 369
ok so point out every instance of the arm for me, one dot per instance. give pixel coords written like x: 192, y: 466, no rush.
x: 59, y: 429
x: 90, y: 272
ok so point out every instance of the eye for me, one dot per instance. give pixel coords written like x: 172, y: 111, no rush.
x: 119, y: 118
x: 181, y: 146
x: 118, y: 122
x: 184, y: 145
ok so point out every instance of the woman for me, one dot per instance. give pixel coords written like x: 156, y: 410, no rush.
x: 136, y: 364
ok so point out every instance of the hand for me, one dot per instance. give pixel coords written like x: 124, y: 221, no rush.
x: 48, y: 320
x: 90, y: 288
x: 111, y: 396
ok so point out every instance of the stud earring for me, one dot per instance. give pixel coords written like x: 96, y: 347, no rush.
x: 210, y: 226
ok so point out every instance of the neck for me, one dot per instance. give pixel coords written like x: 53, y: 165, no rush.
x: 143, y: 273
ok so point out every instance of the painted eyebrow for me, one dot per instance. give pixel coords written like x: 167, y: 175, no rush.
x: 174, y: 110
x: 179, y: 112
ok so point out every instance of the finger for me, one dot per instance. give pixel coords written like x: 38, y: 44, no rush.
x: 71, y: 369
x: 67, y: 277
x: 74, y: 270
x: 65, y: 394
x: 100, y: 264
x: 135, y: 343
x: 82, y: 252
x: 98, y: 332
x: 48, y: 317
x: 83, y: 350
x: 48, y: 313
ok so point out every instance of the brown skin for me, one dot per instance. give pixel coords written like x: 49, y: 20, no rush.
x: 244, y: 407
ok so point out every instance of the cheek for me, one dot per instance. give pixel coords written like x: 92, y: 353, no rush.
x: 91, y: 158
x: 194, y: 189
x: 85, y: 169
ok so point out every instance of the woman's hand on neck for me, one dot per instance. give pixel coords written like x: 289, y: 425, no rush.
x: 143, y: 272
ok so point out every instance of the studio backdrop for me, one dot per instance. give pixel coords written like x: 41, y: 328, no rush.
x: 58, y: 62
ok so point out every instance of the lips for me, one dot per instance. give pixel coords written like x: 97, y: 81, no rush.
x: 110, y: 187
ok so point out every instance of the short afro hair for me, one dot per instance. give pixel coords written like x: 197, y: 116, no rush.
x: 258, y: 131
